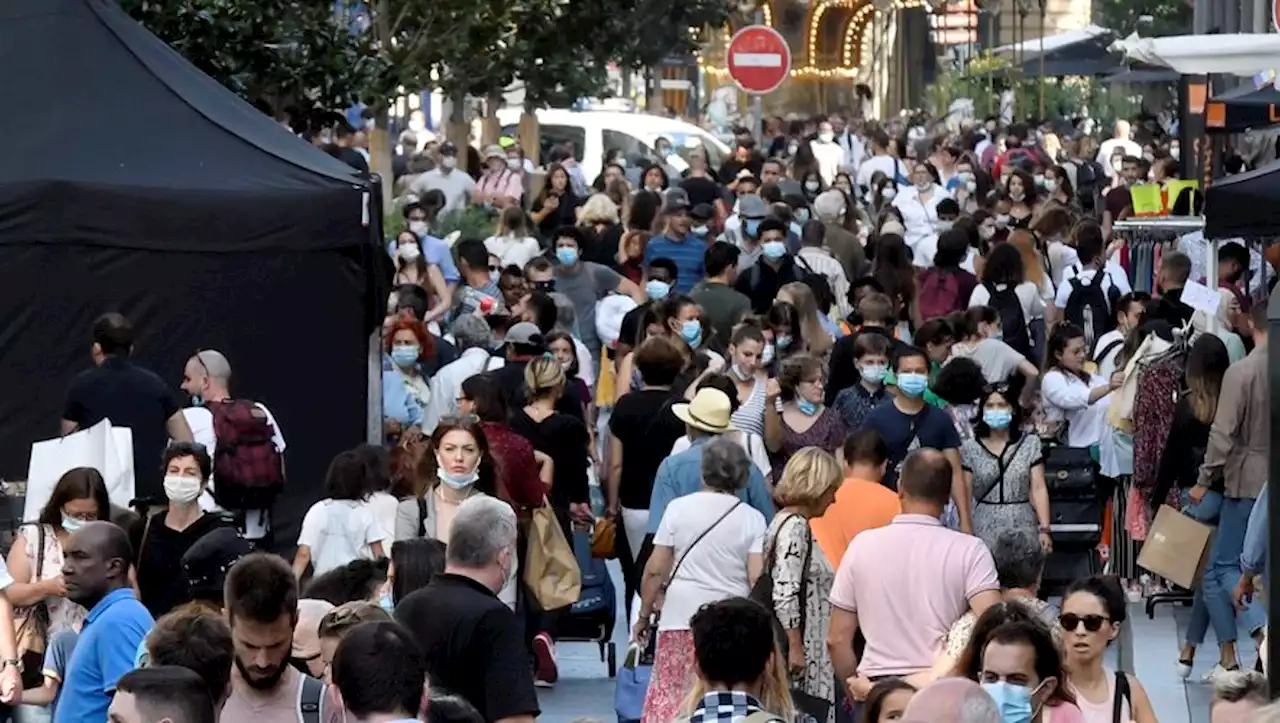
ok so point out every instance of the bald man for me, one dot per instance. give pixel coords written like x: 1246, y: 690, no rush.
x: 952, y: 700
x: 96, y: 573
x: 206, y: 377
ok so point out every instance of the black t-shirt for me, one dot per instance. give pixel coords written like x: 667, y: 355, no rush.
x: 563, y: 438
x: 643, y: 422
x: 510, y: 379
x: 761, y: 282
x: 161, y: 580
x: 701, y: 190
x: 602, y: 246
x: 931, y: 426
x: 132, y: 397
x: 474, y: 645
x: 564, y: 215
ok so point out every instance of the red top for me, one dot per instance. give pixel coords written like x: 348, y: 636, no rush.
x: 517, y: 470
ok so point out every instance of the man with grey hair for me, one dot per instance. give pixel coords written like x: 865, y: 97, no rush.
x: 952, y: 700
x: 474, y: 339
x: 1238, y: 696
x: 473, y: 643
x: 206, y: 377
x: 832, y: 207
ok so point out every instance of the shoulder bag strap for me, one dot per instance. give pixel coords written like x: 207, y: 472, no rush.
x: 310, y: 700
x: 804, y: 575
x: 695, y: 542
x: 422, y: 516
x: 1121, y: 698
x: 142, y: 543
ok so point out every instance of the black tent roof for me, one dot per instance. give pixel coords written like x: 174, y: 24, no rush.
x: 119, y: 127
x: 1087, y: 56
x: 1240, y: 109
x: 1246, y: 205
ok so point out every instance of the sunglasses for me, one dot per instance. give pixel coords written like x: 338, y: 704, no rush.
x: 1092, y: 623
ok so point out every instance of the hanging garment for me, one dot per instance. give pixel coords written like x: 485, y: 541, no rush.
x: 1153, y: 410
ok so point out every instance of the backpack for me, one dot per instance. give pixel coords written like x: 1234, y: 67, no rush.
x: 1089, y: 306
x: 939, y: 294
x: 1087, y: 185
x: 311, y: 700
x: 248, y: 468
x: 1012, y: 321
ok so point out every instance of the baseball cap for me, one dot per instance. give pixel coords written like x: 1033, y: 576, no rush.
x: 207, y: 560
x: 676, y: 200
x: 525, y: 333
x: 752, y: 206
x: 494, y: 151
x: 448, y: 148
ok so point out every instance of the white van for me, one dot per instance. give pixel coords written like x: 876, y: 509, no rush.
x: 595, y: 131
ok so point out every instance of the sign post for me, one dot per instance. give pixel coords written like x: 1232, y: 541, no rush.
x: 760, y: 62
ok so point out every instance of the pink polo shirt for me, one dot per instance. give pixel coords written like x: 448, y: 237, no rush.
x: 503, y: 183
x: 909, y: 582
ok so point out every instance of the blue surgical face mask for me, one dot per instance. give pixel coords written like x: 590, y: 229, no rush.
x: 657, y: 289
x: 405, y: 355
x: 802, y: 214
x: 766, y: 356
x: 774, y: 250
x: 386, y: 603
x: 456, y: 481
x: 872, y: 373
x: 567, y: 255
x: 691, y: 332
x: 782, y: 341
x: 197, y: 400
x: 806, y: 407
x: 912, y: 384
x: 997, y: 418
x: 72, y: 524
x: 751, y: 227
x: 1014, y: 701
x: 796, y: 228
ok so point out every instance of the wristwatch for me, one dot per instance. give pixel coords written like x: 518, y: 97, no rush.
x: 15, y: 663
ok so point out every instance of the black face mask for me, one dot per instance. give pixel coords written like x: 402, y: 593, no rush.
x: 545, y: 287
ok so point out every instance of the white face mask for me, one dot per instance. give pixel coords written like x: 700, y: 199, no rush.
x: 513, y: 164
x: 449, y: 163
x: 181, y: 489
x: 409, y: 252
x: 418, y: 227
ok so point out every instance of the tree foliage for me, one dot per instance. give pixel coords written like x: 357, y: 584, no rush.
x: 1168, y: 17
x: 284, y: 53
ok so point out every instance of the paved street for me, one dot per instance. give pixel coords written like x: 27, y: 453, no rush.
x: 1147, y: 647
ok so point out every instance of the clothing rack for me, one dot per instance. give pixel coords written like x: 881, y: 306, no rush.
x: 1147, y: 238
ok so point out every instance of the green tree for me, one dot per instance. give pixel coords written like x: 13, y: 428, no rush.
x: 278, y: 53
x: 1168, y: 17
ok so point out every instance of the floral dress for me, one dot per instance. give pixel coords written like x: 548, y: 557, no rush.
x: 827, y: 432
x: 63, y: 614
x: 1002, y: 485
x: 787, y: 544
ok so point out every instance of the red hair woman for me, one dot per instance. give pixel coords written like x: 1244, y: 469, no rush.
x: 404, y: 386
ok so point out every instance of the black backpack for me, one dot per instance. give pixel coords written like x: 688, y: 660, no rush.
x: 1012, y: 320
x: 1087, y: 173
x: 1089, y: 306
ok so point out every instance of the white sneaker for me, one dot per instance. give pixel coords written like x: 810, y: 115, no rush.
x: 1216, y: 671
x: 1184, y: 669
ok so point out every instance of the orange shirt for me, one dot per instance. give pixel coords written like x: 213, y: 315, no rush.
x: 860, y: 505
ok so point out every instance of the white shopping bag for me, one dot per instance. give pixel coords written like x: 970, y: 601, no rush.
x: 103, y: 447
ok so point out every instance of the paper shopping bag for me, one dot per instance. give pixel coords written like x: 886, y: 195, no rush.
x: 550, y: 566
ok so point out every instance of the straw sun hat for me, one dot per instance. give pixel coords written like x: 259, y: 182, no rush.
x: 709, y: 412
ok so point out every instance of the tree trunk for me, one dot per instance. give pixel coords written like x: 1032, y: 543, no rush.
x: 380, y: 156
x: 655, y: 103
x: 458, y: 130
x: 492, y: 129
x: 530, y: 139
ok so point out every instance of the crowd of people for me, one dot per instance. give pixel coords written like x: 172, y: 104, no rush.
x: 813, y: 393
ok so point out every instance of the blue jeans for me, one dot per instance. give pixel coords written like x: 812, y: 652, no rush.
x: 1212, y: 603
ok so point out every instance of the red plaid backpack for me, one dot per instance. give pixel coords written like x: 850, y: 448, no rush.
x: 247, y: 468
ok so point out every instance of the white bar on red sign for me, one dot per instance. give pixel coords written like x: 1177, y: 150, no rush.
x: 757, y: 60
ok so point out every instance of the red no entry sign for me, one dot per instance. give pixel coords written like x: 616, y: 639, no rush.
x: 759, y: 59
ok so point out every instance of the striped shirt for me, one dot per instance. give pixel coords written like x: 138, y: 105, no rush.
x: 687, y: 254
x: 820, y: 261
x: 750, y: 414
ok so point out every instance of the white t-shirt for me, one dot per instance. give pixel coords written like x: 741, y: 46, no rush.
x: 383, y: 507
x: 339, y: 531
x: 1028, y: 298
x: 886, y: 164
x: 1115, y: 276
x: 715, y: 568
x: 918, y: 216
x: 752, y: 443
x: 456, y: 186
x: 513, y: 250
x: 998, y: 360
x: 1107, y: 342
x: 1066, y: 397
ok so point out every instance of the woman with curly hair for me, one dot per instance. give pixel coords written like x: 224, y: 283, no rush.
x: 801, y: 419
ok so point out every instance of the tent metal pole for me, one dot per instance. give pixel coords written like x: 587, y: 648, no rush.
x: 373, y: 418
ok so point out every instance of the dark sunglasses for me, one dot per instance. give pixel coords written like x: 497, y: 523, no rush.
x: 1001, y: 388
x: 1092, y: 623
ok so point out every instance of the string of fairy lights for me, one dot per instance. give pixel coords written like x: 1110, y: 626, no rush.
x: 856, y: 43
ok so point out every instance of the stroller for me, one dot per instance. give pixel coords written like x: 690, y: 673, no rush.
x: 1077, y: 504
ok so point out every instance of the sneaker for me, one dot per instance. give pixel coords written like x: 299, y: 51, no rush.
x: 544, y: 652
x: 1218, y: 670
x: 1184, y: 668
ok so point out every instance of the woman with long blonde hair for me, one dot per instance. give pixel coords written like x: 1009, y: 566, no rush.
x: 802, y: 576
x: 799, y: 295
x: 598, y: 217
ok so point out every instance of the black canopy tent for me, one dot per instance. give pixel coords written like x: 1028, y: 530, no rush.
x: 1240, y: 109
x: 1247, y: 204
x: 136, y: 183
x: 1088, y: 56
